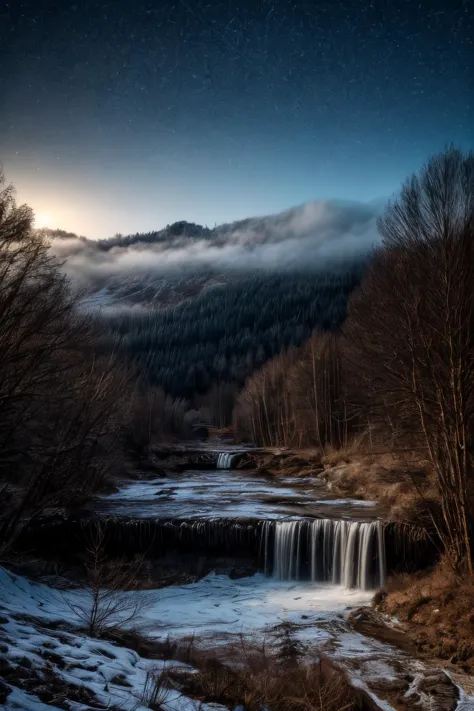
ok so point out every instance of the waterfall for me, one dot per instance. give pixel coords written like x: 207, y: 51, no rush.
x: 350, y: 553
x: 224, y: 460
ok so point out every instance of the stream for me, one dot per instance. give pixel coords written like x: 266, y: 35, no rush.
x: 238, y: 558
x: 315, y: 559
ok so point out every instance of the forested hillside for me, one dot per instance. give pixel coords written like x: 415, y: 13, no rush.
x: 229, y: 330
x: 192, y: 307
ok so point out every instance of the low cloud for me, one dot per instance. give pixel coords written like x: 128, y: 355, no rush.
x: 307, y: 237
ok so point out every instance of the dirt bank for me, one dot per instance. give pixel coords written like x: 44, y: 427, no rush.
x: 282, y: 462
x: 436, y: 609
x: 395, y: 480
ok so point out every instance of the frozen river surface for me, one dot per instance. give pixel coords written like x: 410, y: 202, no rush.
x: 230, y: 493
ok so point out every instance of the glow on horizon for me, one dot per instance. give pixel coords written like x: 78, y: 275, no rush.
x: 43, y: 219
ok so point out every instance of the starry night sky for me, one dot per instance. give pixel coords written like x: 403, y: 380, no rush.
x: 124, y: 115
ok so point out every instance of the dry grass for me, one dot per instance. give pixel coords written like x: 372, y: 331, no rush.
x: 336, y: 455
x: 183, y: 650
x: 395, y: 480
x: 269, y: 685
x: 156, y: 690
x: 438, y: 609
x: 255, y: 675
x: 281, y: 461
x: 258, y: 676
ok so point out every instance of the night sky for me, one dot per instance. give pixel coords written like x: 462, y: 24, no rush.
x: 125, y: 115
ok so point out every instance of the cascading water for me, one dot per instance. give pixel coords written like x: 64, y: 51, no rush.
x: 224, y: 460
x: 350, y: 553
x: 341, y: 552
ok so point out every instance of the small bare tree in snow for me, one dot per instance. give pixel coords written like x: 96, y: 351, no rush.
x: 109, y: 599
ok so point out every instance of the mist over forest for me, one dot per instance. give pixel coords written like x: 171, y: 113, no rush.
x: 310, y: 237
x: 191, y: 306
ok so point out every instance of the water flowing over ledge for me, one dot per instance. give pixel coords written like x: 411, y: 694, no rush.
x: 351, y: 553
x: 224, y: 460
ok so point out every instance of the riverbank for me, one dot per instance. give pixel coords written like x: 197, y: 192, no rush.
x: 394, y: 480
x: 215, y: 642
x: 205, y: 531
x: 434, y: 607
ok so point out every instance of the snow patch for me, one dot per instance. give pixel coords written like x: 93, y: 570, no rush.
x: 115, y: 675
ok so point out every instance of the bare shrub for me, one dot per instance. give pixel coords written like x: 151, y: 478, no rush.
x: 264, y: 676
x: 156, y: 690
x: 109, y: 600
x: 301, y: 688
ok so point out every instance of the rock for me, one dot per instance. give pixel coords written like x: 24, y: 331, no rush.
x: 371, y: 623
x: 432, y: 690
x: 5, y: 692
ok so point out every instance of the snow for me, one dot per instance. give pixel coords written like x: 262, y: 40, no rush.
x: 217, y: 606
x: 96, y: 665
x: 19, y: 700
x: 214, y: 609
x: 41, y: 626
x: 376, y: 669
x: 466, y: 700
x: 346, y: 502
x: 358, y: 683
x: 466, y: 703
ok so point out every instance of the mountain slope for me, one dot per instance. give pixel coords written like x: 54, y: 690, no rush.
x: 192, y: 306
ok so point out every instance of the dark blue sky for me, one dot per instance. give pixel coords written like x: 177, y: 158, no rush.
x: 124, y: 116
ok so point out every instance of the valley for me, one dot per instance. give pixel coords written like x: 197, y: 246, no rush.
x: 242, y: 477
x: 263, y: 558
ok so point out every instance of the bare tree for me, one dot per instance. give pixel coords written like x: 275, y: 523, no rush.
x: 60, y: 406
x: 263, y: 411
x: 316, y: 385
x: 108, y: 600
x: 220, y: 402
x: 296, y: 399
x: 153, y: 417
x: 410, y: 331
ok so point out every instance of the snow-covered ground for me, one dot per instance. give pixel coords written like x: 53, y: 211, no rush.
x: 38, y: 624
x: 39, y: 632
x: 38, y: 635
x: 217, y: 606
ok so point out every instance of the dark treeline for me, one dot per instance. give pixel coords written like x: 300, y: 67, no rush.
x: 228, y: 331
x: 182, y: 229
x: 400, y: 372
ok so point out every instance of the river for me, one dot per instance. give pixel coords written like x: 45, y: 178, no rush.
x: 263, y: 554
